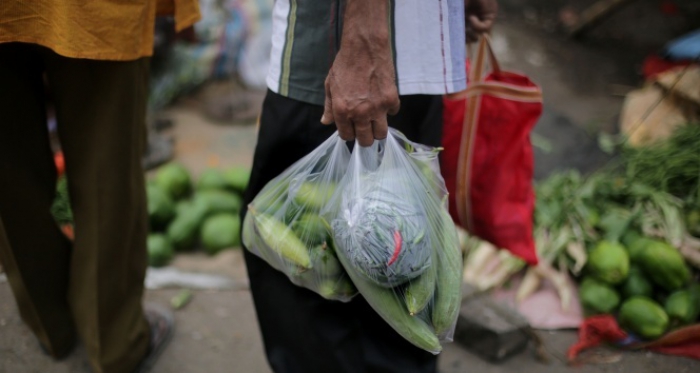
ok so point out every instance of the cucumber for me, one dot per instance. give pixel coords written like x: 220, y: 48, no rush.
x: 278, y: 237
x: 420, y: 291
x: 448, y: 287
x: 392, y: 309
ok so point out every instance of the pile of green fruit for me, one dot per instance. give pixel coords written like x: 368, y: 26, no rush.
x: 645, y: 281
x: 184, y: 214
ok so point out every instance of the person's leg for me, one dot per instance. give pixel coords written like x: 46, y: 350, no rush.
x: 303, y: 332
x: 101, y: 114
x: 33, y: 251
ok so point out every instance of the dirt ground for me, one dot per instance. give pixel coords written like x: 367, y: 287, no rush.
x: 217, y: 331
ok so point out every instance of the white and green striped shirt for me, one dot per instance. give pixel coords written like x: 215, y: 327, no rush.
x: 427, y: 38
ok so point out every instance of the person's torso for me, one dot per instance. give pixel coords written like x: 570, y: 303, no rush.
x: 93, y: 29
x: 428, y: 42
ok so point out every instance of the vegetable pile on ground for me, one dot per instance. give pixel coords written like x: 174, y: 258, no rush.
x: 183, y: 215
x: 627, y: 233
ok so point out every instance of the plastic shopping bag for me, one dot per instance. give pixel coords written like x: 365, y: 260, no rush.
x: 396, y: 240
x: 284, y: 228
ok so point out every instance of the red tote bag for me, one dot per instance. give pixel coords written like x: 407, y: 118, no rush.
x: 488, y: 161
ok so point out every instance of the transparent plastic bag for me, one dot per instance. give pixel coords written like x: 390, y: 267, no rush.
x: 284, y: 228
x: 396, y: 239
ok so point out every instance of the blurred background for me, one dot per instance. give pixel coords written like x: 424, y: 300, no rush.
x: 621, y: 86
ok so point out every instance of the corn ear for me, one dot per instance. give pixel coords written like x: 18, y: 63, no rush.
x: 280, y: 238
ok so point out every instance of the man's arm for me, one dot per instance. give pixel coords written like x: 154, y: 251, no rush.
x: 360, y: 87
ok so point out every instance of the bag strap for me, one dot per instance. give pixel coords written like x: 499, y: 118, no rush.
x: 484, y: 52
x: 471, y: 116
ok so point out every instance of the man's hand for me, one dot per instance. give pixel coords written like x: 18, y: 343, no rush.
x: 360, y: 87
x: 480, y: 16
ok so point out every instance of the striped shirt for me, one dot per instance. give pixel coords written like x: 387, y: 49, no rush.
x: 428, y: 43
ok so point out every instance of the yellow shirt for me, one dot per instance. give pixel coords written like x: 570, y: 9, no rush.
x: 119, y: 30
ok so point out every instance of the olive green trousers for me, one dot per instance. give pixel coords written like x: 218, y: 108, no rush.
x: 91, y: 288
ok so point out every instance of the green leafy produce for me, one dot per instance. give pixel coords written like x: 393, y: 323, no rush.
x: 160, y: 250
x: 597, y: 296
x: 681, y: 307
x: 636, y: 284
x: 237, y: 178
x: 174, y: 179
x: 161, y: 208
x: 665, y: 266
x: 60, y: 209
x: 220, y: 232
x: 609, y: 262
x: 615, y: 222
x: 671, y: 166
x: 211, y: 178
x: 644, y: 317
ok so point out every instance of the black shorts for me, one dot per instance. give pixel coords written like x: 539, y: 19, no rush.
x: 302, y: 332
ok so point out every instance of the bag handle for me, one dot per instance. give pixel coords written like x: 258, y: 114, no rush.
x: 484, y: 52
